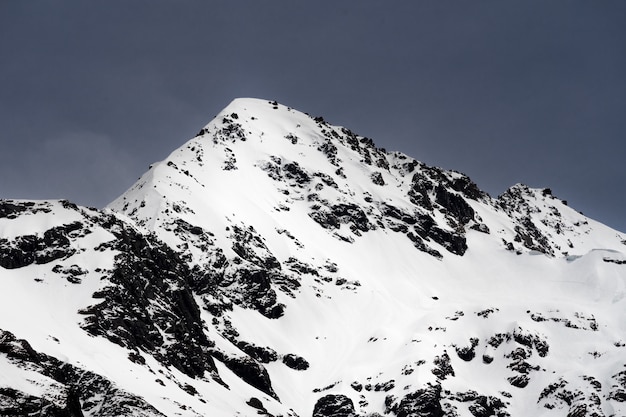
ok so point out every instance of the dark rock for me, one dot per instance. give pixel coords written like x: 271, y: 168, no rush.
x: 451, y: 241
x: 424, y: 403
x: 579, y: 402
x: 17, y: 348
x: 498, y: 338
x: 615, y: 261
x: 443, y: 368
x: 424, y: 224
x: 252, y: 373
x: 515, y: 203
x: 301, y: 267
x: 10, y: 209
x: 325, y: 219
x: 480, y: 227
x: 256, y: 403
x: 377, y: 178
x: 334, y: 216
x: 81, y: 392
x: 467, y: 187
x: 426, y: 227
x: 385, y: 386
x: 255, y: 291
x: 150, y: 294
x: 230, y: 131
x: 353, y: 215
x: 18, y: 403
x: 531, y: 237
x: 487, y: 406
x: 295, y: 362
x: 330, y: 150
x: 618, y: 388
x: 418, y: 242
x: 519, y: 381
x: 486, y: 312
x: 455, y: 205
x: 334, y: 405
x: 261, y: 354
x: 358, y: 387
x: 249, y: 245
x: 295, y: 172
x: 420, y: 188
x: 467, y: 353
x: 389, y: 210
x: 326, y: 179
x: 28, y: 249
x: 530, y: 340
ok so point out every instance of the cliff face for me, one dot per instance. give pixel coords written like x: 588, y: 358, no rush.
x: 278, y: 265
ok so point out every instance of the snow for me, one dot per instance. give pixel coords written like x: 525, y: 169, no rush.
x: 409, y: 306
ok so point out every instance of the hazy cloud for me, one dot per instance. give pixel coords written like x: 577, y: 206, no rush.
x: 84, y: 167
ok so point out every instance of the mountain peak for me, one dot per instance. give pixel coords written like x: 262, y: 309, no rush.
x: 279, y: 160
x: 276, y: 264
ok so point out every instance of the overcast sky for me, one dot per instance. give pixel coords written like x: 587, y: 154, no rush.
x: 91, y: 93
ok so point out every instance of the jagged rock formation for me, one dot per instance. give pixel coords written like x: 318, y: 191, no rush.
x: 276, y: 264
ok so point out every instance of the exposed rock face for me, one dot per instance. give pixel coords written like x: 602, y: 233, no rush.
x: 251, y: 372
x: 424, y: 402
x: 149, y: 304
x: 334, y: 406
x: 539, y: 223
x: 28, y: 249
x: 70, y: 391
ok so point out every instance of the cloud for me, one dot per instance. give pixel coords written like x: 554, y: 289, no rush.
x: 84, y: 167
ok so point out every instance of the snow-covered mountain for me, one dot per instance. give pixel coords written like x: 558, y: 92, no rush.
x: 278, y: 265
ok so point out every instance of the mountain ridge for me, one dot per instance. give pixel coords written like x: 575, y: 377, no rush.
x: 280, y: 265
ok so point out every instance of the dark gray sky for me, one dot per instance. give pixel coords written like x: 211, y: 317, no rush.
x: 524, y: 91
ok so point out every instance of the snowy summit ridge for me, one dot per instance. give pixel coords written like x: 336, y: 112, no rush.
x: 276, y: 264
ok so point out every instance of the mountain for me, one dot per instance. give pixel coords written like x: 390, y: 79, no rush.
x: 278, y: 265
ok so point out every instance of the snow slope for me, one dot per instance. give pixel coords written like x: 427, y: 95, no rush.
x: 290, y: 267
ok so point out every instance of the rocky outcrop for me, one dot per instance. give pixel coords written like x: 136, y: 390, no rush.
x: 424, y: 402
x: 149, y: 304
x: 70, y: 391
x: 28, y: 249
x: 334, y: 405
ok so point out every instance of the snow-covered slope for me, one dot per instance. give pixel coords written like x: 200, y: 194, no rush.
x: 278, y: 265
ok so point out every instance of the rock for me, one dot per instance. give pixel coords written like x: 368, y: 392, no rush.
x: 519, y: 381
x: 295, y: 172
x: 252, y: 373
x: 150, y: 291
x: 420, y: 188
x: 334, y: 405
x: 467, y: 353
x: 424, y: 403
x: 10, y: 209
x: 377, y: 178
x: 467, y: 187
x: 261, y: 354
x: 454, y: 204
x: 71, y: 391
x: 487, y: 406
x: 451, y: 241
x: 28, y: 249
x: 295, y: 362
x: 443, y: 368
x: 256, y: 403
